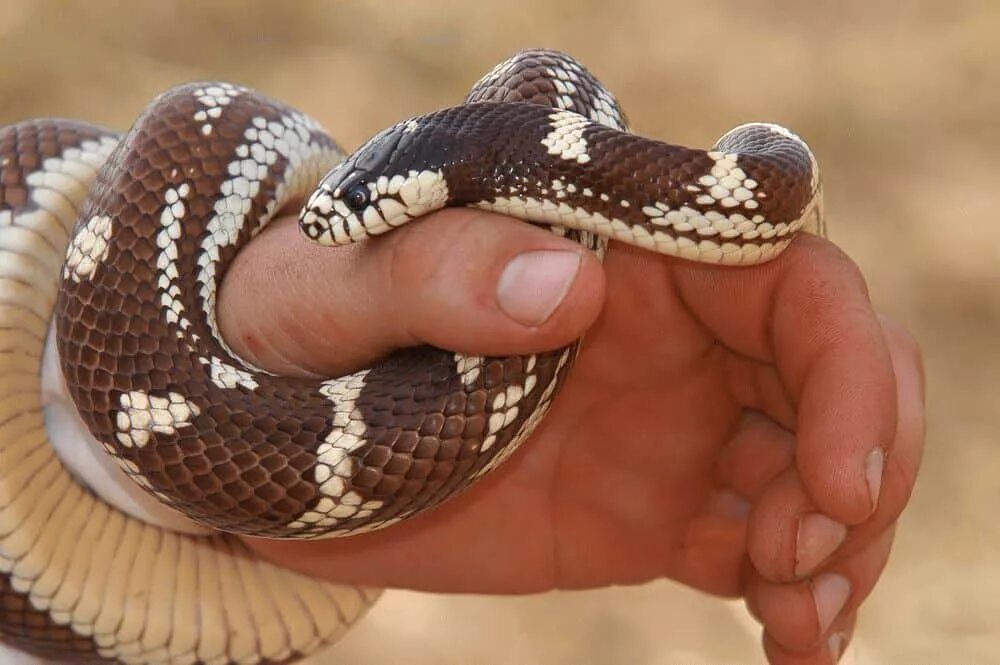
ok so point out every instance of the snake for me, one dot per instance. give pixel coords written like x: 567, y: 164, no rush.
x: 112, y: 250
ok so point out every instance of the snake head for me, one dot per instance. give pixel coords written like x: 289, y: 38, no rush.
x: 374, y: 191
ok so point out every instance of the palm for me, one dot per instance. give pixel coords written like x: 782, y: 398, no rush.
x: 613, y: 486
x: 618, y: 478
x: 713, y: 415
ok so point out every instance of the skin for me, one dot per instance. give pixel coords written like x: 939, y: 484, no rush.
x: 711, y: 411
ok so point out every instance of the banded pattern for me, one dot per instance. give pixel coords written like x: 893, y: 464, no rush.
x: 80, y: 580
x: 740, y: 203
x: 229, y: 445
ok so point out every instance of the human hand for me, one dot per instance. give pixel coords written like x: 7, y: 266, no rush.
x: 718, y: 429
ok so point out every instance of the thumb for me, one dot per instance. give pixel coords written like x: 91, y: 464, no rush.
x: 460, y: 279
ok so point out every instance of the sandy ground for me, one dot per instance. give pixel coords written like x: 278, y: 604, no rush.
x: 900, y: 101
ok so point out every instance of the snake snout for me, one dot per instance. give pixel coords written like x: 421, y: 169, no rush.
x: 318, y: 220
x: 348, y: 209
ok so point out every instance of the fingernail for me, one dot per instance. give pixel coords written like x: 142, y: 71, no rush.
x: 818, y: 537
x: 534, y: 283
x: 836, y: 646
x: 729, y: 505
x: 873, y: 474
x: 830, y: 593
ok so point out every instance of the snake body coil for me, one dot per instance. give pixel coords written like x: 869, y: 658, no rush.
x: 236, y: 448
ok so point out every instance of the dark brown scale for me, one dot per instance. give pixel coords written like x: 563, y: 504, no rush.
x: 221, y: 469
x: 245, y: 448
x: 25, y: 146
x: 781, y: 163
x: 526, y: 77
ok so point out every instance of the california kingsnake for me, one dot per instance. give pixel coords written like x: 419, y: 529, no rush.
x: 201, y: 172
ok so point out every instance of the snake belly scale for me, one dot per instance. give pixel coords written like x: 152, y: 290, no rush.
x: 126, y: 240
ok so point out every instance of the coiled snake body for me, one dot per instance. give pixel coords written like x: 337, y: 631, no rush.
x: 159, y: 215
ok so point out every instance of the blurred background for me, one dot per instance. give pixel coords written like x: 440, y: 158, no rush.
x: 901, y: 101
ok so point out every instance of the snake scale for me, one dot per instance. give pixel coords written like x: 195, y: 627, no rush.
x: 122, y: 241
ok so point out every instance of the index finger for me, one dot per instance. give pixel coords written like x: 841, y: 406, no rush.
x: 808, y: 314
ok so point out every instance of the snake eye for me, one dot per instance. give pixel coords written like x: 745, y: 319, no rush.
x: 356, y: 198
